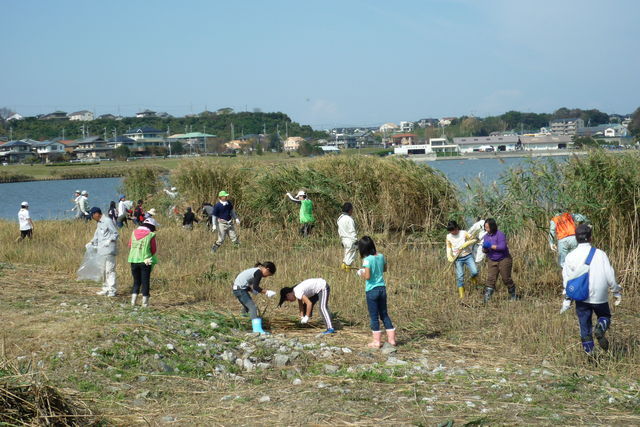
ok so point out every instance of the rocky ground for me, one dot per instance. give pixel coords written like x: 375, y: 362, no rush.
x: 184, y: 363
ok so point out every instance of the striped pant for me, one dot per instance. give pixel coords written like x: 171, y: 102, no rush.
x: 323, y: 298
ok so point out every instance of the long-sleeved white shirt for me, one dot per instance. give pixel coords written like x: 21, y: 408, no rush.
x: 83, y: 202
x: 601, y: 274
x: 347, y: 227
x: 477, y: 230
x: 122, y: 207
x: 105, y: 237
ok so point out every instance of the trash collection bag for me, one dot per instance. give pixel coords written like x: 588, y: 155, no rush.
x: 92, y: 267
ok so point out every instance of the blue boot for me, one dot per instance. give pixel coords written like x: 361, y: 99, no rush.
x: 257, y: 326
x: 587, y: 344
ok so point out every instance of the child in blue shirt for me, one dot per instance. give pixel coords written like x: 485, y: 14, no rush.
x: 373, y: 268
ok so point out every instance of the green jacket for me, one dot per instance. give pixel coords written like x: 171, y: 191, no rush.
x: 141, y: 249
x: 306, y: 212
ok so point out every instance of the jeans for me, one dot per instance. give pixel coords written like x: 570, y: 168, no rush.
x: 141, y: 273
x: 565, y: 246
x: 471, y: 265
x: 585, y: 311
x: 247, y: 303
x: 377, y: 306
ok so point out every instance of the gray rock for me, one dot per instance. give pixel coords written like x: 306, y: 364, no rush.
x: 138, y: 402
x: 294, y: 355
x: 263, y: 365
x: 142, y: 379
x: 297, y: 381
x: 281, y: 360
x: 388, y: 348
x: 347, y: 350
x: 148, y: 341
x: 227, y: 356
x: 392, y: 361
x: 330, y: 369
x: 264, y: 399
x: 168, y: 419
x: 143, y: 394
x: 283, y: 349
x: 248, y: 365
x: 170, y: 347
x: 165, y: 367
x: 213, y: 325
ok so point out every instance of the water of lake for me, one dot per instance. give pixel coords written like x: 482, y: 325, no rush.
x: 51, y: 199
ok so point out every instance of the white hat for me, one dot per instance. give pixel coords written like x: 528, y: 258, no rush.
x: 152, y: 211
x: 301, y: 193
x: 174, y: 189
x: 77, y: 192
x: 151, y: 221
x: 24, y: 204
x: 84, y: 192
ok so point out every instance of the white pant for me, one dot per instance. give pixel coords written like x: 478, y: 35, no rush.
x: 350, y: 249
x: 109, y: 285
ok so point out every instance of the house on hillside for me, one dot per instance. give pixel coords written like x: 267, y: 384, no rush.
x: 49, y: 150
x: 109, y: 117
x: 406, y: 127
x: 292, y: 143
x: 424, y: 123
x: 388, y: 128
x: 566, y: 126
x: 93, y: 147
x: 145, y: 113
x: 147, y: 139
x: 56, y: 115
x: 446, y: 121
x: 404, y: 139
x: 16, y: 152
x: 15, y: 116
x: 81, y: 116
x: 194, y: 142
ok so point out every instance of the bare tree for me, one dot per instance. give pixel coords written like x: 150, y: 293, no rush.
x: 6, y: 112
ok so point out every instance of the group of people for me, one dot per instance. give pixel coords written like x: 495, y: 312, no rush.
x: 81, y: 205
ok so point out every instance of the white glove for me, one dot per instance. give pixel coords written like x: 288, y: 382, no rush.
x: 270, y: 294
x: 360, y: 272
x: 553, y: 247
x: 304, y: 320
x: 238, y: 221
x: 566, y: 304
x: 618, y: 298
x: 148, y: 261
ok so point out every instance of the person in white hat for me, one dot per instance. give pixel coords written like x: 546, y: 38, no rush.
x: 142, y: 257
x: 26, y: 223
x: 306, y: 212
x: 83, y: 205
x: 150, y: 213
x: 76, y: 207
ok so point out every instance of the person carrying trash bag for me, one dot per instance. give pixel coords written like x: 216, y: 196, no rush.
x: 562, y: 233
x: 587, y: 277
x: 459, y: 244
x: 224, y: 217
x: 105, y: 242
x: 308, y: 293
x: 348, y: 236
x: 306, y: 212
x: 249, y: 281
x: 478, y: 232
x: 499, y: 260
x: 142, y: 257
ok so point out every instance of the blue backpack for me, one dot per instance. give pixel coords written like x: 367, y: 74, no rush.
x: 578, y: 287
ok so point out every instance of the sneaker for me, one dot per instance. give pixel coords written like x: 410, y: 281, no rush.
x: 603, y: 342
x: 329, y: 331
x: 102, y: 292
x: 111, y: 295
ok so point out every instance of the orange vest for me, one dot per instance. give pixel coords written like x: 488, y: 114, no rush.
x: 565, y: 226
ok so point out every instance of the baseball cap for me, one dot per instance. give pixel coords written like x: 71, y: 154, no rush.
x: 77, y: 192
x: 122, y: 196
x: 223, y: 194
x: 24, y: 204
x: 84, y: 192
x: 301, y: 193
x: 95, y: 210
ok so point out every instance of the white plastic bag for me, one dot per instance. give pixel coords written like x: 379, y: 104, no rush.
x: 92, y: 267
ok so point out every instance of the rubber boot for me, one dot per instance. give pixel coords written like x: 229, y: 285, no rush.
x: 599, y: 332
x: 344, y: 267
x: 257, y: 326
x: 587, y: 344
x: 512, y: 294
x: 461, y: 291
x: 488, y: 293
x: 391, y: 337
x: 145, y: 301
x: 474, y: 280
x: 133, y: 299
x: 375, y: 343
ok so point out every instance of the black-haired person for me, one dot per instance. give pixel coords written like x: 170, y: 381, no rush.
x: 142, y: 257
x: 459, y: 245
x: 113, y: 212
x: 499, y: 261
x: 138, y: 213
x: 105, y: 241
x: 373, y: 268
x: 188, y: 219
x: 348, y: 235
x: 308, y: 293
x: 601, y: 279
x: 249, y: 281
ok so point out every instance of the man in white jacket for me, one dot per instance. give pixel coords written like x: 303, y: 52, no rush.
x: 105, y: 239
x: 601, y: 279
x: 348, y: 235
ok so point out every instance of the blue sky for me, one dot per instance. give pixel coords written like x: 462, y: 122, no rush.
x: 325, y: 63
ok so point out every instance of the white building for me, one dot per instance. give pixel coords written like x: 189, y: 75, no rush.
x: 546, y: 142
x: 388, y: 128
x: 145, y: 113
x: 406, y: 126
x: 81, y: 116
x: 292, y: 143
x: 470, y: 144
x: 442, y: 146
x: 408, y: 150
x: 566, y: 126
x: 47, y: 149
x: 15, y: 116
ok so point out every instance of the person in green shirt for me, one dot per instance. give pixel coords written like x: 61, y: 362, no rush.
x: 306, y: 212
x: 142, y: 257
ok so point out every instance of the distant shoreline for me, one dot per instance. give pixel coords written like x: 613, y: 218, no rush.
x: 499, y: 155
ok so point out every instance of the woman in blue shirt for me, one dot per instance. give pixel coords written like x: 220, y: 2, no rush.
x: 373, y: 268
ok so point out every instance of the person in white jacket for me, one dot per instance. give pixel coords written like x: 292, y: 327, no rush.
x: 76, y: 207
x: 348, y: 236
x: 601, y: 280
x: 105, y: 240
x: 83, y: 206
x: 477, y: 230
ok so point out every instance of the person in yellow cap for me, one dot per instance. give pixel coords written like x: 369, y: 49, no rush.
x: 224, y: 217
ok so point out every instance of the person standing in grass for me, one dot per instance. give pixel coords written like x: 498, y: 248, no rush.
x: 142, y: 257
x: 306, y: 212
x: 562, y: 233
x: 76, y: 208
x: 105, y: 240
x: 25, y: 222
x: 113, y: 212
x: 83, y: 205
x: 249, y: 281
x: 373, y: 268
x: 188, y: 219
x: 478, y: 232
x: 348, y: 236
x: 123, y: 211
x: 308, y: 293
x: 499, y: 260
x: 224, y: 217
x: 459, y: 244
x: 601, y: 279
x: 138, y: 213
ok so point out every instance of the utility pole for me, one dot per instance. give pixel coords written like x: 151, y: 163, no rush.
x: 233, y: 134
x: 264, y: 128
x: 286, y: 126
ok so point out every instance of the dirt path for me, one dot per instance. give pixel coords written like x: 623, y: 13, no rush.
x: 188, y: 364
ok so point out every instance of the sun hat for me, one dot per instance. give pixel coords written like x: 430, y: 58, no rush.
x: 223, y: 194
x: 95, y: 210
x: 151, y: 221
x: 301, y: 193
x: 24, y: 204
x: 76, y: 192
x: 174, y: 189
x: 84, y: 193
x: 152, y: 211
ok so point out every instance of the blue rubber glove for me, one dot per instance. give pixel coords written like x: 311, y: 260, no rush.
x: 486, y: 245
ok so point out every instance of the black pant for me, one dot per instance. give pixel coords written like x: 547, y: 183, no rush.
x: 305, y: 230
x: 141, y: 273
x: 26, y: 233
